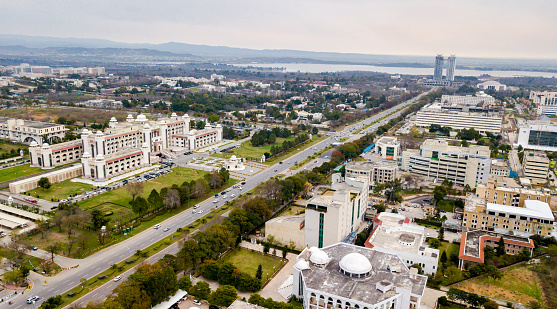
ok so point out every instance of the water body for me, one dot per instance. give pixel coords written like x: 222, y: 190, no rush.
x: 320, y: 68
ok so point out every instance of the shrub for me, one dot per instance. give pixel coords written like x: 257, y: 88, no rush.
x: 179, y: 229
x: 100, y: 277
x: 108, y: 213
x: 130, y: 260
x: 24, y: 284
x: 71, y: 294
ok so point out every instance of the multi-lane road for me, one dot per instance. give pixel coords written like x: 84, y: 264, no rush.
x: 102, y: 260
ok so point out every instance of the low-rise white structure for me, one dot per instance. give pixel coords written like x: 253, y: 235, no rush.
x: 348, y: 276
x: 492, y: 85
x: 376, y: 171
x: 435, y: 113
x: 395, y: 234
x: 388, y: 147
x: 537, y: 135
x: 26, y: 131
x: 479, y: 98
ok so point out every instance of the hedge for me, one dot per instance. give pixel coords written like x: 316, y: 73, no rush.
x: 424, y: 221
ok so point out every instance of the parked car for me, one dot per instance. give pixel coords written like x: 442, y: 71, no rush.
x: 196, y: 302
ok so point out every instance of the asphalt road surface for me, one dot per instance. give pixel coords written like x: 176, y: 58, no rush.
x: 102, y: 260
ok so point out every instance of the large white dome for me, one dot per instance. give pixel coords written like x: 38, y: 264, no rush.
x: 355, y: 263
x: 302, y: 265
x: 141, y: 117
x: 319, y: 257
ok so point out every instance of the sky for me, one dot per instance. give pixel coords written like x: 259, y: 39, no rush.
x: 470, y: 28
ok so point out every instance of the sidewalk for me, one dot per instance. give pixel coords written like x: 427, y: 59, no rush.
x: 63, y: 261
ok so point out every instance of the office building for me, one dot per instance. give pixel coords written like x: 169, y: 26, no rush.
x: 461, y: 100
x: 496, y: 192
x: 348, y: 276
x: 535, y: 166
x: 375, y: 171
x: 438, y: 73
x: 457, y: 120
x: 125, y: 146
x: 473, y: 243
x: 287, y: 230
x: 395, y: 234
x: 337, y: 212
x: 451, y: 66
x: 26, y: 131
x: 500, y: 167
x: 546, y: 102
x: 437, y: 160
x: 537, y: 135
x: 491, y: 85
x: 534, y: 218
x: 387, y: 147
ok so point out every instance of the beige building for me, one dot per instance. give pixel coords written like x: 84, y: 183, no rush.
x: 497, y: 193
x: 500, y: 167
x: 56, y: 176
x: 26, y: 131
x: 375, y: 171
x: 458, y: 120
x: 534, y: 218
x: 287, y: 229
x: 535, y: 166
x: 387, y: 147
x: 437, y: 160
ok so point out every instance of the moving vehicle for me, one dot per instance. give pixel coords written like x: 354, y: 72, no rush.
x: 156, y: 226
x: 117, y: 278
x: 195, y: 206
x: 166, y: 229
x: 31, y: 299
x: 196, y: 302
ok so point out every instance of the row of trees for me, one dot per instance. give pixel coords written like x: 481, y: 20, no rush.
x: 289, y: 144
x: 264, y: 137
x: 472, y: 299
x: 228, y: 274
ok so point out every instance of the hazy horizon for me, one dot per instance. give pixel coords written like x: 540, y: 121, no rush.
x: 474, y: 29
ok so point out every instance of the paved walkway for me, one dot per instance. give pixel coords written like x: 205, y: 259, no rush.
x: 116, y: 178
x: 430, y: 298
x: 63, y: 261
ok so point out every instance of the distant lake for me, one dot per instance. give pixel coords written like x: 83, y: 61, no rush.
x: 319, y: 68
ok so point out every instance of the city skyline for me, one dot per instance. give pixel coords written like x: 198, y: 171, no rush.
x: 395, y: 28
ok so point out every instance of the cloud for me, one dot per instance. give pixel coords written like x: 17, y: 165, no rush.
x: 494, y: 28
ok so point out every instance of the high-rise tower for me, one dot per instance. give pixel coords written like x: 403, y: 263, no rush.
x: 438, y: 73
x: 451, y: 65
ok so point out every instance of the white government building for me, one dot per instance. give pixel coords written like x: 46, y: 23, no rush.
x: 125, y: 146
x: 437, y: 113
x: 348, y: 276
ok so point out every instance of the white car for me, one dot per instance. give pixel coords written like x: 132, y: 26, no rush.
x: 215, y: 201
x: 156, y: 226
x: 117, y: 278
x: 224, y: 197
x: 232, y: 195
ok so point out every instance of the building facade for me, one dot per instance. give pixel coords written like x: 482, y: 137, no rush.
x: 388, y: 147
x: 395, y: 234
x: 535, y: 166
x: 375, y: 171
x: 510, y: 196
x: 457, y: 120
x: 534, y: 218
x: 438, y: 72
x: 26, y: 131
x: 436, y: 159
x: 479, y: 98
x: 338, y: 212
x: 125, y: 146
x: 537, y: 135
x: 348, y: 276
x: 492, y: 85
x: 500, y: 167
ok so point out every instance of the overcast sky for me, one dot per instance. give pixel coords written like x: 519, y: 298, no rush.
x: 468, y: 28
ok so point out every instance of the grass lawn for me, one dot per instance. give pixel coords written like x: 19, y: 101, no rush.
x: 519, y: 283
x: 316, y: 139
x: 449, y: 247
x: 61, y: 190
x: 18, y: 171
x: 53, y: 235
x: 291, y: 211
x: 248, y: 262
x: 246, y: 150
x: 121, y: 197
x: 7, y: 146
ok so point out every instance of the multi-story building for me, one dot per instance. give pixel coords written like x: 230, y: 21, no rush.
x: 287, y: 230
x: 387, y: 147
x: 26, y: 131
x: 348, y: 276
x: 338, y: 212
x: 495, y: 193
x: 479, y: 98
x: 125, y: 146
x: 535, y: 166
x: 492, y: 85
x: 437, y: 160
x: 537, y: 135
x: 435, y: 114
x: 473, y: 243
x: 395, y: 234
x: 438, y: 72
x: 543, y: 97
x: 451, y: 66
x: 500, y: 167
x: 375, y: 171
x: 534, y: 218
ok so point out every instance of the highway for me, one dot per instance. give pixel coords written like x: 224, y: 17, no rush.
x: 102, y: 260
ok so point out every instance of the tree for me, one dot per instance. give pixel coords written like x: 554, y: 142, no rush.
x: 139, y: 205
x: 441, y: 235
x: 44, y: 183
x: 43, y: 225
x: 200, y: 290
x: 53, y: 248
x: 215, y: 180
x: 213, y: 118
x: 444, y: 257
x: 500, y: 250
x: 98, y: 219
x: 154, y: 199
x: 82, y: 281
x: 130, y: 295
x: 534, y: 305
x: 199, y: 188
x: 439, y: 193
x: 259, y: 273
x: 172, y: 199
x: 134, y: 188
x: 493, y: 272
x: 434, y: 243
x: 224, y: 296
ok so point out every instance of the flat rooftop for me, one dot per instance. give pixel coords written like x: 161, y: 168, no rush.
x: 532, y: 208
x: 330, y: 280
x: 31, y: 124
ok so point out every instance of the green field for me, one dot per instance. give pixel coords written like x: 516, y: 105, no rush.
x: 121, y: 197
x: 246, y: 150
x: 248, y: 262
x: 292, y: 210
x: 7, y: 146
x: 449, y: 247
x: 29, y: 260
x: 61, y: 190
x: 18, y: 171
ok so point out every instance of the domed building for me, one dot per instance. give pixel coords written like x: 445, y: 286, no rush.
x: 348, y: 276
x: 235, y: 164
